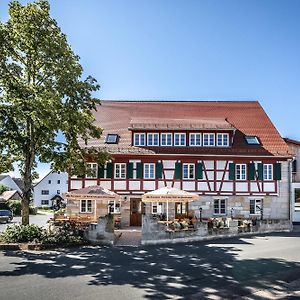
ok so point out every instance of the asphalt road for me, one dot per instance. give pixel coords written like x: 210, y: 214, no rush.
x: 263, y: 267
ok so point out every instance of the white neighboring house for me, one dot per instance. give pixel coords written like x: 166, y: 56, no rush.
x: 10, y: 183
x: 53, y: 185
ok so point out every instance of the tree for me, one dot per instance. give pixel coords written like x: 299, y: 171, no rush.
x: 3, y: 189
x: 43, y: 95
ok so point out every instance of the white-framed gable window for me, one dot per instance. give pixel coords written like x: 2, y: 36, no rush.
x: 85, y: 206
x: 153, y: 139
x: 139, y: 139
x: 208, y: 139
x: 188, y: 171
x: 255, y: 206
x: 268, y: 172
x: 220, y: 206
x: 222, y: 139
x: 166, y: 139
x: 195, y: 139
x: 113, y: 207
x: 179, y: 139
x: 93, y: 167
x: 241, y: 171
x: 157, y: 208
x: 120, y: 171
x: 149, y: 171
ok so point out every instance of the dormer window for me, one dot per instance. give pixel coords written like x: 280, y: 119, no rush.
x: 153, y: 139
x: 139, y: 139
x: 222, y: 139
x: 112, y: 138
x: 252, y: 140
x: 166, y: 139
x: 179, y: 139
x: 208, y: 139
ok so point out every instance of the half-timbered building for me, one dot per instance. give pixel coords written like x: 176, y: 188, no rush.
x: 228, y: 152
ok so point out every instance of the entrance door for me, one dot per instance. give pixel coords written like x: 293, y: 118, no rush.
x: 135, y: 212
x: 181, y: 210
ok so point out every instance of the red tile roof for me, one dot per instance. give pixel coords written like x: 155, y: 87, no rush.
x: 248, y: 117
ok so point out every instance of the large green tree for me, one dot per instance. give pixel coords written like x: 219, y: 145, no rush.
x: 42, y: 95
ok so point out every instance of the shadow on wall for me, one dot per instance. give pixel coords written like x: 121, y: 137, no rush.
x: 199, y: 269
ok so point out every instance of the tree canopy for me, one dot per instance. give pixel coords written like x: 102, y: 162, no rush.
x: 42, y: 94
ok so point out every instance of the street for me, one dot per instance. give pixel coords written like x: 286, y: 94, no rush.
x: 261, y: 267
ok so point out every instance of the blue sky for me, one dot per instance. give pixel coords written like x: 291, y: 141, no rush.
x: 189, y: 50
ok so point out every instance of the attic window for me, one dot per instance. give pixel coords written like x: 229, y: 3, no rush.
x: 252, y: 140
x: 112, y: 139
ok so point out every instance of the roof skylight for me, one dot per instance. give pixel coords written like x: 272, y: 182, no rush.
x: 252, y: 140
x: 112, y: 138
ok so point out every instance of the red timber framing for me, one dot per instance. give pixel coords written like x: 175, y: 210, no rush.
x: 215, y: 177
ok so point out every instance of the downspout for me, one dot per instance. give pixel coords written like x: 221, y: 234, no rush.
x: 291, y: 207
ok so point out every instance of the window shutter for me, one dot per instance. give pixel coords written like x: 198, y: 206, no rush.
x: 158, y: 170
x: 100, y: 171
x: 109, y: 170
x: 199, y: 171
x: 231, y: 171
x: 139, y: 170
x: 260, y: 171
x: 277, y: 171
x: 129, y: 170
x: 251, y: 171
x: 178, y: 170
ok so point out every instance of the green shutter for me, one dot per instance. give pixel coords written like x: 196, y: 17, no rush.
x: 260, y: 171
x: 178, y: 170
x: 199, y: 171
x: 277, y: 171
x: 109, y: 170
x: 231, y: 171
x: 129, y: 170
x: 158, y: 170
x: 100, y: 171
x: 139, y: 170
x: 251, y: 171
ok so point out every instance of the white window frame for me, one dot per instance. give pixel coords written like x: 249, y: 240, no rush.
x: 180, y: 134
x: 152, y: 134
x: 159, y: 208
x: 166, y: 134
x: 268, y: 172
x: 120, y: 171
x: 44, y: 200
x: 194, y: 137
x: 139, y: 135
x: 209, y: 134
x: 259, y: 203
x: 147, y: 170
x: 58, y: 192
x: 86, y: 209
x: 241, y: 171
x: 191, y: 175
x: 219, y: 208
x: 222, y: 139
x: 94, y: 167
x: 115, y: 205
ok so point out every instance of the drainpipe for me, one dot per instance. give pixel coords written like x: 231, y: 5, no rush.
x: 290, y: 192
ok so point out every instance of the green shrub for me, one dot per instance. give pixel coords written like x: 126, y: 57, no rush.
x: 32, y: 210
x: 22, y: 233
x: 15, y: 206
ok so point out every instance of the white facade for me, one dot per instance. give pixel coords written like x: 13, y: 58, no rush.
x: 55, y: 183
x: 9, y: 182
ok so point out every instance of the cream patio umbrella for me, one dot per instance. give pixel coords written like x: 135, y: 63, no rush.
x: 166, y: 194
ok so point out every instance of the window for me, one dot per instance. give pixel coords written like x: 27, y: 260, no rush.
x: 220, y: 206
x: 179, y: 139
x: 188, y: 171
x: 45, y: 202
x: 252, y: 140
x: 149, y: 172
x: 255, y: 206
x: 49, y: 181
x: 157, y: 208
x: 58, y: 192
x: 268, y: 172
x: 86, y: 206
x: 113, y: 207
x: 120, y: 171
x: 195, y: 139
x: 45, y: 192
x: 241, y: 172
x: 93, y: 168
x: 112, y: 139
x: 58, y: 181
x: 181, y: 209
x: 166, y: 139
x: 139, y: 139
x: 153, y: 139
x: 223, y: 139
x: 208, y: 139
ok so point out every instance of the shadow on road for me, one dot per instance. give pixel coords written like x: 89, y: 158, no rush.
x: 168, y: 271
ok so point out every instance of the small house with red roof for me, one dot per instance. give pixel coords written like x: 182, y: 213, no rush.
x: 227, y: 152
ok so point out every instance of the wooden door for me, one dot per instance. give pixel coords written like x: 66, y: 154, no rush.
x: 181, y: 210
x: 135, y: 212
